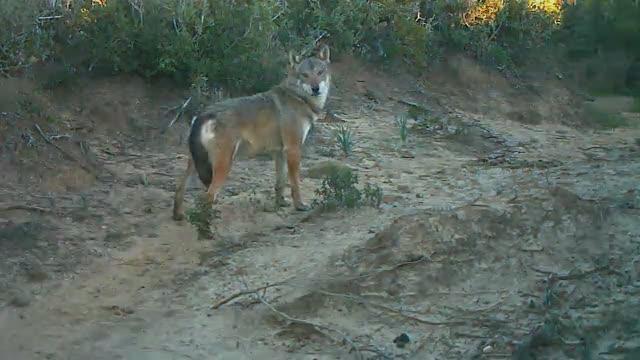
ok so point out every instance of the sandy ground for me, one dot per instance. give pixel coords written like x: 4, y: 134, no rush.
x: 506, y: 230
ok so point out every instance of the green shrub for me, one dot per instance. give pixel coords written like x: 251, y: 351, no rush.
x: 344, y: 137
x: 593, y: 26
x: 201, y: 216
x: 592, y: 30
x: 186, y: 40
x: 242, y: 45
x: 24, y: 38
x: 401, y: 123
x: 339, y: 190
x: 234, y: 45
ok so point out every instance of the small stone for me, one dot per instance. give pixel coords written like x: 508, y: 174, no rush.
x: 404, y: 188
x: 402, y: 340
x: 33, y: 269
x: 390, y: 199
x: 487, y: 349
x: 20, y: 298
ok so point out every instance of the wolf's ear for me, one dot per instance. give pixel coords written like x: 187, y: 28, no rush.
x: 323, y: 53
x: 294, y: 59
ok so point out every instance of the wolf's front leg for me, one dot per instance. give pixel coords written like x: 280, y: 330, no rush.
x: 294, y: 157
x: 280, y: 179
x: 178, y: 210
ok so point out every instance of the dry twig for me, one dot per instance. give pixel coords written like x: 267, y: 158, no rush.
x: 63, y: 152
x: 571, y: 276
x: 362, y: 300
x: 420, y: 259
x: 24, y: 207
x: 248, y: 292
x: 179, y: 112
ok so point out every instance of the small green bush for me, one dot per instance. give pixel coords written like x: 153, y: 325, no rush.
x: 401, y: 123
x: 201, y: 216
x: 339, y: 190
x: 344, y: 137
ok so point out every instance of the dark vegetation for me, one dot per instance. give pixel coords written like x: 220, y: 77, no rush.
x: 239, y: 45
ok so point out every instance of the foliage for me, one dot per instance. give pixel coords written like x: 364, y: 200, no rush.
x: 603, y: 120
x: 592, y: 30
x: 594, y: 26
x: 338, y: 189
x: 201, y: 215
x: 186, y: 40
x: 242, y: 45
x: 24, y: 38
x: 344, y: 137
x: 401, y: 122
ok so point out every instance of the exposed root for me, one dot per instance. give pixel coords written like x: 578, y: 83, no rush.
x: 24, y: 207
x: 64, y: 153
x: 572, y: 276
x: 218, y: 304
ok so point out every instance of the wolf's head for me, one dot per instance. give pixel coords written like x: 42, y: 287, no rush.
x: 311, y: 75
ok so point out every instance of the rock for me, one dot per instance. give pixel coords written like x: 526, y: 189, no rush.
x: 487, y: 349
x: 390, y: 199
x: 33, y: 269
x: 402, y: 340
x: 404, y: 188
x: 324, y: 168
x: 20, y: 298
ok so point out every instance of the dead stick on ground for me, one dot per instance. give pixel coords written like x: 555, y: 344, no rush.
x: 364, y: 301
x: 420, y: 259
x: 247, y: 292
x: 24, y: 207
x: 317, y: 326
x: 63, y: 152
x: 570, y: 276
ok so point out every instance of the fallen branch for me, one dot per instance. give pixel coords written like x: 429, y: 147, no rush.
x: 24, y: 207
x: 420, y: 259
x: 64, y: 153
x: 44, y: 18
x: 179, y: 112
x: 362, y: 300
x: 570, y: 276
x: 57, y: 137
x: 313, y: 44
x: 247, y: 292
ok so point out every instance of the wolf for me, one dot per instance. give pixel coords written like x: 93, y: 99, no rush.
x: 276, y: 121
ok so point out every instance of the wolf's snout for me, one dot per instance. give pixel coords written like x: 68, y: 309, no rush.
x: 315, y: 90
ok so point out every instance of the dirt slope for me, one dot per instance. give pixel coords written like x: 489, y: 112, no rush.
x: 505, y: 229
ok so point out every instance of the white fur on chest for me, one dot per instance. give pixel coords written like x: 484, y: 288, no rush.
x: 305, y: 130
x: 324, y: 92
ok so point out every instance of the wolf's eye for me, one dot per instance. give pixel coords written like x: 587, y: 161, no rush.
x: 320, y: 72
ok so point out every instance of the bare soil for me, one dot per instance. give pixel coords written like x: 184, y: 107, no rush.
x: 507, y: 229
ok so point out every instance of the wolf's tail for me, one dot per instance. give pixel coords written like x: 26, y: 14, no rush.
x: 199, y: 153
